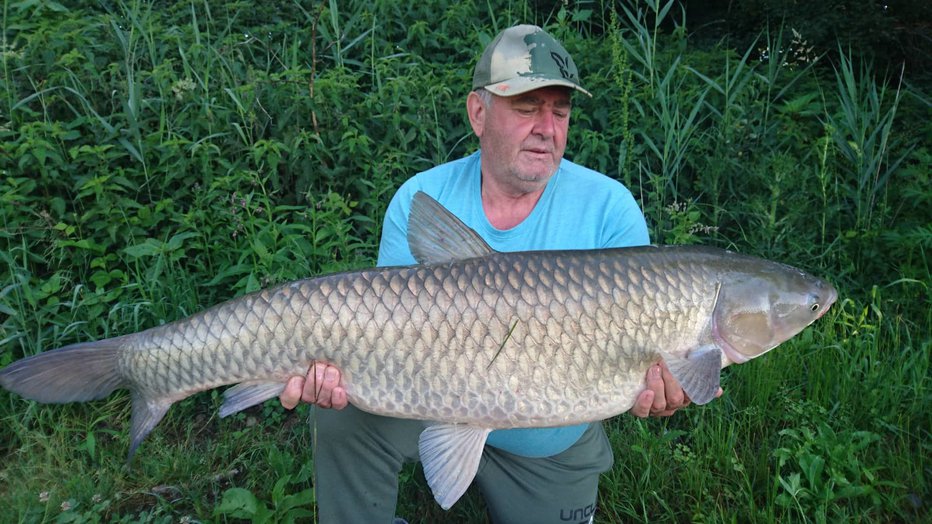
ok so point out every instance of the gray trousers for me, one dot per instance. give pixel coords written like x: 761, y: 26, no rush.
x: 358, y: 456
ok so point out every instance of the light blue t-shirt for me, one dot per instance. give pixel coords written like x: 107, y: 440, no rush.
x: 579, y: 209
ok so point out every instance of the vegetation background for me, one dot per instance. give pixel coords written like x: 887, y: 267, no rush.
x: 160, y: 157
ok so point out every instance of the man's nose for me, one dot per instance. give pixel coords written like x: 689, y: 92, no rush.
x: 545, y: 124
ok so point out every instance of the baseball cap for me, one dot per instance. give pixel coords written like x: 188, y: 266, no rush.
x: 523, y: 58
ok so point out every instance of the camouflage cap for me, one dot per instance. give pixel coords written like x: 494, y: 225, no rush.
x: 523, y: 58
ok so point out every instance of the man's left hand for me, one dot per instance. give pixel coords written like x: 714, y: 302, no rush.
x: 663, y: 395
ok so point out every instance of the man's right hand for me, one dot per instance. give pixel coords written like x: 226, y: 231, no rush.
x: 322, y: 386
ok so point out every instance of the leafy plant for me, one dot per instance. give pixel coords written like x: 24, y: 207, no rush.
x: 819, y: 467
x: 239, y: 503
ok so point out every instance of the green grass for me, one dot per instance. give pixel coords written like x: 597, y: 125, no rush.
x: 158, y: 158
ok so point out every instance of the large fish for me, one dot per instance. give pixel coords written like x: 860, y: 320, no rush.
x: 470, y: 339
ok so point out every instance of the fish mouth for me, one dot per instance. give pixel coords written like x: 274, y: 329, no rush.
x: 832, y: 297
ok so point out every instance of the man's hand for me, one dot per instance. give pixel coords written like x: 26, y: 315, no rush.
x: 663, y: 395
x: 322, y: 386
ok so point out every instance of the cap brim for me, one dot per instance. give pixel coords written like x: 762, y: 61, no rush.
x: 517, y: 86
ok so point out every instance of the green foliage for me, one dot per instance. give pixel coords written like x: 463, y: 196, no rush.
x: 826, y: 467
x: 157, y: 158
x: 240, y: 503
x: 888, y: 32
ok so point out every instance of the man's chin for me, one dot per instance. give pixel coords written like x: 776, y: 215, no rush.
x: 535, y: 171
x: 536, y: 176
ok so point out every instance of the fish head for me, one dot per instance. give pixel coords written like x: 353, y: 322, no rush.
x: 758, y: 309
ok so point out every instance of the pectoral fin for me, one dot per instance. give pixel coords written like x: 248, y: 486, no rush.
x: 699, y: 373
x: 450, y: 454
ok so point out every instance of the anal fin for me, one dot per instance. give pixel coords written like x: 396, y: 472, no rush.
x: 146, y: 414
x: 248, y: 394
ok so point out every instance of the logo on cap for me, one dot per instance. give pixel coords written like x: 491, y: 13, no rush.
x: 562, y: 63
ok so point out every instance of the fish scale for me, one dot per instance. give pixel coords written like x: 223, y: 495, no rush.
x: 469, y: 340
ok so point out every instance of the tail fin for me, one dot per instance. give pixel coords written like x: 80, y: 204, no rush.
x: 75, y: 373
x: 81, y: 372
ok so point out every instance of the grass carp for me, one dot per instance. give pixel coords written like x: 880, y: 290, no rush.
x: 469, y: 339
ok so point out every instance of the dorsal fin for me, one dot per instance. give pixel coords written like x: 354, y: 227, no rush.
x: 436, y: 236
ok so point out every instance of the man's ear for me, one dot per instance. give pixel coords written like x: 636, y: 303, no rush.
x: 476, y: 110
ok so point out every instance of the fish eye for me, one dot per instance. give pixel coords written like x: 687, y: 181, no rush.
x: 815, y: 307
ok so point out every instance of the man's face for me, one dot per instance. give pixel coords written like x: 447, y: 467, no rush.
x: 523, y: 137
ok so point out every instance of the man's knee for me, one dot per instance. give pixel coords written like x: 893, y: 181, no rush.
x: 352, y: 428
x: 558, y: 489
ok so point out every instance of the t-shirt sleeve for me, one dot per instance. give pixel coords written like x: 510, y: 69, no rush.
x: 393, y: 246
x: 625, y: 225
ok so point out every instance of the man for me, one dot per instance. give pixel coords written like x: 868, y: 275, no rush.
x: 519, y: 194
